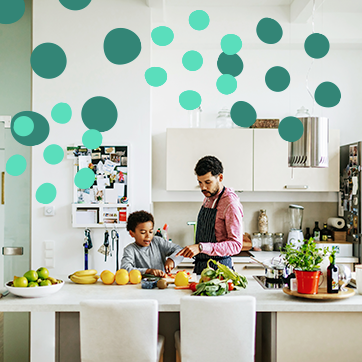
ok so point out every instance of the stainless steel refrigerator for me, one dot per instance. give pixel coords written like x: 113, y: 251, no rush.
x: 350, y: 193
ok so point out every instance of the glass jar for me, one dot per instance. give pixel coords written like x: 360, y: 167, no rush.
x: 223, y: 119
x: 302, y: 112
x: 256, y: 240
x: 278, y: 241
x: 263, y: 222
x: 267, y: 242
x: 194, y: 117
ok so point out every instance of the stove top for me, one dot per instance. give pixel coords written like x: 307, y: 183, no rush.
x: 268, y: 283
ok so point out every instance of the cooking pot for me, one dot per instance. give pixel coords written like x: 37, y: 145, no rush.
x: 275, y: 269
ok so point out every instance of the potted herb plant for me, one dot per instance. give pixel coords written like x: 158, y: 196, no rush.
x: 306, y: 264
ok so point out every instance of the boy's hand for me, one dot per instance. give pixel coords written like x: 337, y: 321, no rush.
x: 169, y: 265
x: 156, y: 272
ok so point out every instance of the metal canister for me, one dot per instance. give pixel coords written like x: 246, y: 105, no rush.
x: 278, y: 241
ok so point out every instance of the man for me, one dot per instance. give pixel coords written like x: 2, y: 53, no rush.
x: 219, y: 232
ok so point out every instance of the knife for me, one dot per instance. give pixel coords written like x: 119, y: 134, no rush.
x: 4, y: 294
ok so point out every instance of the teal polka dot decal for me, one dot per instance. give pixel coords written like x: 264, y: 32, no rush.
x: 269, y: 31
x: 327, y: 95
x: 92, y: 139
x: 231, y: 44
x: 16, y: 165
x: 226, y: 84
x: 122, y: 46
x: 243, y: 114
x: 23, y: 126
x: 99, y: 113
x: 277, y: 79
x: 155, y: 76
x: 84, y: 178
x: 48, y: 60
x: 199, y: 20
x: 62, y: 113
x: 290, y: 129
x: 316, y: 45
x: 190, y: 100
x: 230, y: 64
x: 192, y: 60
x: 11, y: 11
x: 38, y: 135
x: 46, y: 193
x: 53, y: 154
x: 75, y: 4
x: 162, y: 36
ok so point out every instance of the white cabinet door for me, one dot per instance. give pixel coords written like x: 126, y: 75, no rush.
x: 233, y: 147
x: 271, y: 171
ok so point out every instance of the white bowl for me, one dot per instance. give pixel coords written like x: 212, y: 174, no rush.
x: 34, y: 292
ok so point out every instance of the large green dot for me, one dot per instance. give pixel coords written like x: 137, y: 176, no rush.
x: 53, y: 154
x: 23, y: 126
x: 92, y: 139
x: 290, y: 129
x: 75, y: 4
x: 243, y: 114
x: 46, y: 193
x: 11, y: 11
x: 155, y: 76
x: 327, y: 95
x: 99, y: 113
x: 231, y: 44
x: 230, y: 64
x: 48, y: 60
x: 192, y: 60
x: 122, y: 46
x: 316, y: 45
x: 190, y: 100
x: 199, y: 20
x: 269, y: 31
x: 62, y: 113
x: 226, y: 84
x: 84, y: 178
x: 162, y: 36
x: 277, y: 79
x: 16, y: 165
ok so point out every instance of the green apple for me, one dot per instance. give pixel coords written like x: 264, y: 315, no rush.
x: 31, y: 275
x: 33, y: 284
x: 20, y: 282
x: 43, y: 273
x: 45, y: 283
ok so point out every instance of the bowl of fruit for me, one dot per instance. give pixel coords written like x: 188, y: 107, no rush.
x: 34, y: 284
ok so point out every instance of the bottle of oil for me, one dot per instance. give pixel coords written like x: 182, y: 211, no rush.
x: 332, y: 276
x: 324, y: 233
x: 316, y: 232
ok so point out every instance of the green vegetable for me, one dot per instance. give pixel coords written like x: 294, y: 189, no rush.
x: 239, y: 280
x: 213, y: 287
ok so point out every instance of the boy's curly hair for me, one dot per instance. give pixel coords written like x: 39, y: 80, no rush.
x: 138, y: 217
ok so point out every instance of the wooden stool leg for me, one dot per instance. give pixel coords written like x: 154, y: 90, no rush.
x: 178, y: 357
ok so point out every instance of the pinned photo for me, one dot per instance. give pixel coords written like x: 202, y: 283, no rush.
x: 110, y: 150
x: 123, y: 161
x: 96, y: 155
x: 115, y: 158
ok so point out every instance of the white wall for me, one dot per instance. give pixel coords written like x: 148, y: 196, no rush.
x: 88, y: 74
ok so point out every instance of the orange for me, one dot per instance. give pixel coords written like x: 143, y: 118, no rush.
x: 135, y: 276
x: 122, y: 277
x: 107, y: 277
x: 181, y: 279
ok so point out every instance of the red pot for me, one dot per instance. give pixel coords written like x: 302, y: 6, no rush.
x: 308, y: 281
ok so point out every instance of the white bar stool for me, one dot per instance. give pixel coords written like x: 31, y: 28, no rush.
x: 121, y: 331
x: 216, y: 329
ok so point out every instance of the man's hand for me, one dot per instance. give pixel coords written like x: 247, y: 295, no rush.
x: 189, y: 251
x: 156, y: 272
x: 169, y: 265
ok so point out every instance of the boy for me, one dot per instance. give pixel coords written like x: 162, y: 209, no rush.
x: 148, y: 253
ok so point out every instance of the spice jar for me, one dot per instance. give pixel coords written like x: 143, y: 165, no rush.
x: 267, y: 242
x: 278, y: 241
x: 256, y: 240
x: 263, y: 222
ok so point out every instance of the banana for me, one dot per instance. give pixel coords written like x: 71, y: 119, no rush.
x: 90, y: 279
x: 83, y: 273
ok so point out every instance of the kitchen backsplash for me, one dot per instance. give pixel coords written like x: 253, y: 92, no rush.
x: 177, y: 214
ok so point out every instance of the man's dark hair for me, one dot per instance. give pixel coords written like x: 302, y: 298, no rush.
x: 208, y: 164
x: 138, y: 217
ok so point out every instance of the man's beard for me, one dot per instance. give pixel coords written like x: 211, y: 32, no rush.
x: 211, y: 194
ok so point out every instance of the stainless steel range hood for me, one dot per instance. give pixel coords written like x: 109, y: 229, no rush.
x: 311, y: 150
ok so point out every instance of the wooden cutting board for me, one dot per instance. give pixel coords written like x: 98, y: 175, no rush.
x: 322, y: 294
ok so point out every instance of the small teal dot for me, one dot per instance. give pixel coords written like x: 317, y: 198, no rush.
x: 84, y: 178
x: 46, y: 193
x: 231, y: 44
x: 155, y: 76
x: 192, y: 60
x: 226, y: 84
x: 277, y: 79
x: 23, y: 126
x: 53, y: 154
x: 316, y: 45
x: 11, y: 11
x: 62, y: 113
x: 92, y: 139
x: 16, y: 165
x: 199, y: 20
x: 190, y: 100
x: 162, y: 35
x: 290, y: 129
x: 327, y: 94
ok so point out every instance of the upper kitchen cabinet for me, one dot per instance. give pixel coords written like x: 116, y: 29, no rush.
x: 233, y: 147
x: 271, y: 171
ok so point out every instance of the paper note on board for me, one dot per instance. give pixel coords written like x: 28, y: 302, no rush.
x: 102, y: 182
x: 84, y: 161
x: 109, y: 166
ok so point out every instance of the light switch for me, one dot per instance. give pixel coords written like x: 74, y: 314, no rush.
x: 49, y: 262
x: 49, y: 210
x: 48, y: 245
x: 49, y: 253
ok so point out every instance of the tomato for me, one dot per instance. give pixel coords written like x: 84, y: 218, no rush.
x: 221, y: 277
x: 193, y: 286
x: 231, y: 286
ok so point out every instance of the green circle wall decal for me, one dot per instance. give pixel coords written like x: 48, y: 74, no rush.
x: 277, y: 79
x: 11, y: 11
x: 46, y: 193
x: 316, y: 45
x: 190, y: 100
x: 75, y: 4
x: 230, y: 64
x: 327, y: 95
x: 53, y: 154
x: 155, y: 76
x: 199, y: 20
x: 290, y: 129
x: 231, y: 44
x: 62, y: 113
x: 84, y: 178
x: 162, y: 36
x: 92, y: 139
x: 243, y: 114
x: 226, y: 84
x: 16, y: 165
x: 192, y: 60
x: 269, y: 31
x: 23, y: 126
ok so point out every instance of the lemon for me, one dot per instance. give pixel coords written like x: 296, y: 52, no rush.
x: 135, y: 276
x: 122, y: 277
x: 181, y: 279
x: 107, y: 277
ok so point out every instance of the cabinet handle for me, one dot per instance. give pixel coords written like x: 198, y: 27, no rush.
x: 2, y: 188
x: 253, y: 266
x: 296, y: 187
